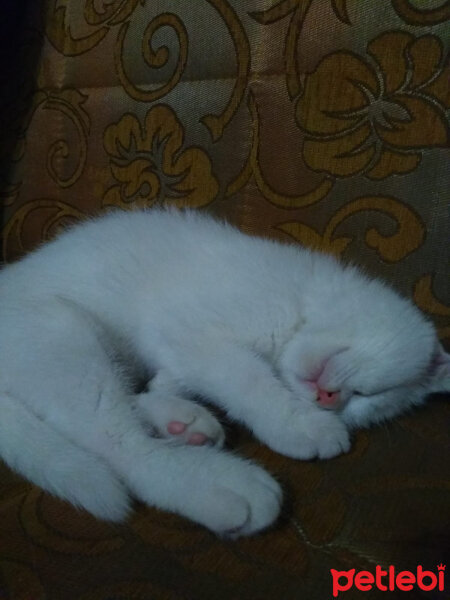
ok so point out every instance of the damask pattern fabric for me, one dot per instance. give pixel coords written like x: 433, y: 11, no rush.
x: 323, y: 122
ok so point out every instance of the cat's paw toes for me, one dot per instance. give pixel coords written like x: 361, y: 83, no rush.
x: 319, y: 434
x: 244, y: 502
x: 327, y: 435
x: 336, y: 442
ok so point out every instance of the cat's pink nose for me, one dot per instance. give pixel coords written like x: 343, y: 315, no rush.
x: 327, y: 399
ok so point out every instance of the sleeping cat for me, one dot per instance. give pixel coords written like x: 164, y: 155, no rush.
x: 287, y: 341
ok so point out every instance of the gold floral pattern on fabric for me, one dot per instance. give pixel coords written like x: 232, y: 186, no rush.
x: 66, y: 155
x: 60, y: 32
x: 69, y: 103
x: 51, y: 216
x: 47, y: 526
x: 427, y: 13
x: 298, y: 11
x: 153, y: 58
x: 9, y: 194
x: 252, y: 171
x: 149, y: 164
x: 378, y: 114
x: 340, y: 9
x: 216, y: 123
x: 425, y: 299
x: 409, y: 234
x: 112, y: 12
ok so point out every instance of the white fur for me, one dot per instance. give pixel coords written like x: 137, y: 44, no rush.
x: 205, y: 310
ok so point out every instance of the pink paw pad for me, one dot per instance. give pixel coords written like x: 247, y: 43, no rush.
x: 176, y: 427
x: 197, y: 439
x: 194, y: 439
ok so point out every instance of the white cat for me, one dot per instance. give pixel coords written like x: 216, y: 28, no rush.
x: 289, y: 342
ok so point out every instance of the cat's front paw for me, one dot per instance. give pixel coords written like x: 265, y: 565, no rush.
x: 328, y: 434
x: 314, y: 434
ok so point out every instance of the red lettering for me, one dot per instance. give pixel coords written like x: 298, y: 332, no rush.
x: 405, y: 581
x: 337, y: 586
x: 379, y: 573
x: 391, y: 578
x: 441, y: 580
x: 364, y: 581
x: 420, y: 576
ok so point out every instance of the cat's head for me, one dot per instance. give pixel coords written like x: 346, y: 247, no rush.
x: 369, y: 361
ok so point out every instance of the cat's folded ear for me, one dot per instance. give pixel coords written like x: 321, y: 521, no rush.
x: 440, y: 372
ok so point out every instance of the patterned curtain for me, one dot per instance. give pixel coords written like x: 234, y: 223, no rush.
x: 320, y: 121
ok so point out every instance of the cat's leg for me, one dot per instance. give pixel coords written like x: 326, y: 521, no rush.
x: 172, y: 416
x: 244, y: 385
x: 48, y: 459
x: 64, y: 375
x: 231, y: 496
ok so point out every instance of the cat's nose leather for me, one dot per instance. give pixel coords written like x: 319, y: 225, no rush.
x: 327, y: 399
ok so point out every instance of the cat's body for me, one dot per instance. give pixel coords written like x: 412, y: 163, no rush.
x: 273, y: 334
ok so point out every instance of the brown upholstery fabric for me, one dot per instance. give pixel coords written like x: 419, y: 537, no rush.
x: 320, y: 121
